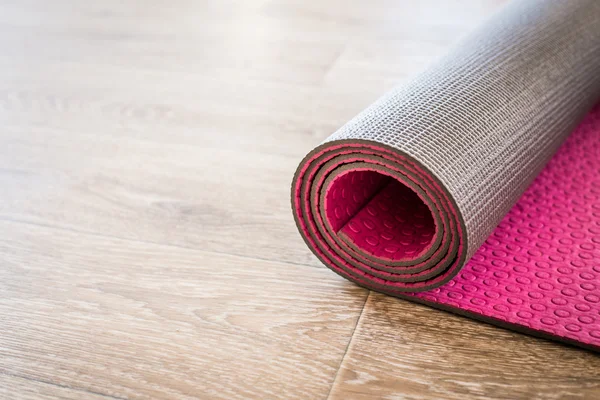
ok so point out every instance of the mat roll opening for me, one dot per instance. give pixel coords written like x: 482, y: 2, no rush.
x: 377, y: 217
x: 383, y: 218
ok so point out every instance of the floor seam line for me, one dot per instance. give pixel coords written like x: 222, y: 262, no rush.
x: 335, y: 377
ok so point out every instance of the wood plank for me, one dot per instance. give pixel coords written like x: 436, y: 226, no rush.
x: 402, y: 350
x: 26, y: 389
x: 185, y: 195
x: 132, y: 319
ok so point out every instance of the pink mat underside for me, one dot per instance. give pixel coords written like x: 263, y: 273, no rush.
x: 540, y: 268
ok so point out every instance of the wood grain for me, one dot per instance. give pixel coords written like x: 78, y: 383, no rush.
x: 129, y: 319
x: 147, y: 248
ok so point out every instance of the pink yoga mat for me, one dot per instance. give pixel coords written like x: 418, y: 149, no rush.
x: 472, y: 189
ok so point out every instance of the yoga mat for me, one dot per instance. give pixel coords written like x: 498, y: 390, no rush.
x: 475, y: 188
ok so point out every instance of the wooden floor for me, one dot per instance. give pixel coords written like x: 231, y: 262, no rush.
x: 147, y: 247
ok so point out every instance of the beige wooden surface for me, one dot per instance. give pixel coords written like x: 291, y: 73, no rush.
x: 147, y: 249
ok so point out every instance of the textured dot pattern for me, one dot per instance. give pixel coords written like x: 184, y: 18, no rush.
x: 540, y: 268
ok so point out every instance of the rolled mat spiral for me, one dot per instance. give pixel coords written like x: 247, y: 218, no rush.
x: 472, y: 188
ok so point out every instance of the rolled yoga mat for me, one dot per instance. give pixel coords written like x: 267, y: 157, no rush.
x: 450, y: 191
